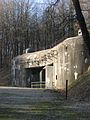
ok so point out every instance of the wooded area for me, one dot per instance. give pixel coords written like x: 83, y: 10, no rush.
x: 21, y: 27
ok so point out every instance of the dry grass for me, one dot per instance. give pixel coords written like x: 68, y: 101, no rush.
x: 5, y: 75
x: 80, y: 89
x: 40, y: 104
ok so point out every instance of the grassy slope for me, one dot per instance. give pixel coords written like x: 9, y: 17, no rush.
x: 80, y: 89
x: 4, y: 76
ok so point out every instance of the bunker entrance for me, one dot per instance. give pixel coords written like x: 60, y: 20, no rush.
x: 35, y: 77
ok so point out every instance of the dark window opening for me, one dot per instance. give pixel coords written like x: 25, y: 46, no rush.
x: 33, y: 77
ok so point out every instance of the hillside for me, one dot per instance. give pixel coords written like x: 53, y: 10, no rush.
x: 80, y: 89
x: 5, y: 77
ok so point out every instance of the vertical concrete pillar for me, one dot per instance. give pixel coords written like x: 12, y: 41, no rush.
x: 49, y: 77
x: 41, y: 79
x: 13, y: 73
x: 55, y: 74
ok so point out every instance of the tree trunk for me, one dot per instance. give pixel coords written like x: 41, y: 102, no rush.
x: 82, y: 23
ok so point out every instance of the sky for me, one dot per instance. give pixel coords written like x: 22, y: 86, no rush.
x: 44, y: 1
x: 41, y: 5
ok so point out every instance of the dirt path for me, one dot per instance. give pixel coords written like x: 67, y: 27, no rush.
x: 39, y: 104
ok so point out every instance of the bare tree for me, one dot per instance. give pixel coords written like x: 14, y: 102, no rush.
x: 82, y: 23
x: 21, y: 27
x: 58, y: 23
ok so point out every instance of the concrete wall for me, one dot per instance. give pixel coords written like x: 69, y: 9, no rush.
x: 49, y: 77
x: 69, y: 60
x: 72, y: 61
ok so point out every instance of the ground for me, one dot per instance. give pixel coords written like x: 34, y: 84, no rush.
x: 40, y: 104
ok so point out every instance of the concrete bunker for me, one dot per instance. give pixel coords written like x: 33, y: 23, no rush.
x: 65, y: 61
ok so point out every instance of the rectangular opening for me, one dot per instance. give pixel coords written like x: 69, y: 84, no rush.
x: 35, y: 77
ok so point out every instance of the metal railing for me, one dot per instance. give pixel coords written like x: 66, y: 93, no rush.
x: 38, y: 84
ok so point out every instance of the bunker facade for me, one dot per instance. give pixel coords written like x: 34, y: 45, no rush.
x: 51, y: 68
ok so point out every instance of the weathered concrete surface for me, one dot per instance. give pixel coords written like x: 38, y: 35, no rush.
x: 49, y: 77
x: 39, y: 104
x: 68, y: 59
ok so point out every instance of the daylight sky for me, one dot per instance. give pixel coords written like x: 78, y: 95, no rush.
x: 44, y: 1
